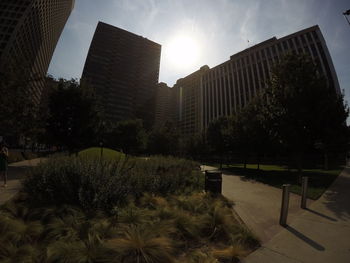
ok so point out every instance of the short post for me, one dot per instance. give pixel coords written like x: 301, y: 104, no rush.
x: 285, y: 205
x: 304, y: 182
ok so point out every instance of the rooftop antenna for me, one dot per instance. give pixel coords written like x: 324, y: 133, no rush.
x: 347, y: 13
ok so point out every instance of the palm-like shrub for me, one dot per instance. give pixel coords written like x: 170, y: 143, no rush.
x: 218, y: 222
x: 196, y: 203
x: 199, y: 256
x: 88, y: 251
x: 152, y: 201
x: 18, y: 231
x: 242, y: 235
x: 142, y: 244
x: 187, y: 225
x: 101, y: 228
x: 10, y: 253
x: 65, y: 230
x: 230, y: 254
x: 16, y: 210
x: 133, y: 215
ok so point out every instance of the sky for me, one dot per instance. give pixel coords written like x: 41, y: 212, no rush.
x: 217, y: 29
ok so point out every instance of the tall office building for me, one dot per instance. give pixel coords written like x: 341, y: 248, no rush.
x: 29, y: 32
x: 189, y: 101
x: 207, y: 94
x: 165, y: 105
x: 123, y: 68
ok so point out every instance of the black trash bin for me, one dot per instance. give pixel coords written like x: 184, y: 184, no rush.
x: 213, y: 181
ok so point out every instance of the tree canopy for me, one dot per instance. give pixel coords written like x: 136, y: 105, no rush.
x: 18, y: 109
x: 164, y: 140
x: 129, y: 135
x: 298, y: 112
x: 302, y: 107
x: 73, y: 115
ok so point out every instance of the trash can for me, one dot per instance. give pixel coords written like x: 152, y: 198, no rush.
x: 213, y: 181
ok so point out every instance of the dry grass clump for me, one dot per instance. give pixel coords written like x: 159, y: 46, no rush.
x: 185, y: 228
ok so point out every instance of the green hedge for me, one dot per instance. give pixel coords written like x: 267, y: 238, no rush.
x: 102, y: 184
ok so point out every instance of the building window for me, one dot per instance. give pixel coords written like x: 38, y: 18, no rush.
x: 285, y: 45
x: 303, y: 39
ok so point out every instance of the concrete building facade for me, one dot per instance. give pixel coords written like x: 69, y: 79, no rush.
x: 189, y: 102
x: 123, y: 68
x: 165, y: 105
x: 29, y: 32
x: 208, y: 94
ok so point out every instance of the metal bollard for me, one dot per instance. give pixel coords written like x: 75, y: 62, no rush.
x: 285, y: 205
x: 304, y: 182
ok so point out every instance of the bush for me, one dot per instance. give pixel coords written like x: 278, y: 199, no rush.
x: 101, y: 184
x: 151, y: 229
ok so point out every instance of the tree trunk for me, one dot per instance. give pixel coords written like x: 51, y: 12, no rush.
x: 299, y: 166
x: 221, y: 156
x: 326, y: 160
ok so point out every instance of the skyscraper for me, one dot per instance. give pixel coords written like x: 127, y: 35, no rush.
x: 165, y: 105
x: 123, y: 68
x: 208, y: 94
x: 189, y: 101
x: 29, y: 32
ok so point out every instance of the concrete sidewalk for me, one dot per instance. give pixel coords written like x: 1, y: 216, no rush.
x: 258, y: 204
x: 16, y: 172
x: 319, y: 234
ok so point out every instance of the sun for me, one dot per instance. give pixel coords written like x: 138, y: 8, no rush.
x: 182, y: 52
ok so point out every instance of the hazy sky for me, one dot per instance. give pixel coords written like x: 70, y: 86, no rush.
x: 219, y: 27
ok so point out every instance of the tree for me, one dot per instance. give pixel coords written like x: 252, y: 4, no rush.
x: 218, y: 136
x: 129, y: 135
x: 18, y: 109
x: 299, y: 105
x: 164, y: 140
x: 333, y: 133
x: 194, y: 146
x: 249, y: 133
x: 73, y: 115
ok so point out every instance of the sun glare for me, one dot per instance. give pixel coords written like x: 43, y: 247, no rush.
x: 182, y: 52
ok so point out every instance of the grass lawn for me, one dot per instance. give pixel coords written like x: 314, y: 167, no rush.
x: 95, y: 152
x: 277, y: 175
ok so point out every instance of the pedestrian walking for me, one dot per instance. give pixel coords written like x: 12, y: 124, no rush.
x: 4, y: 153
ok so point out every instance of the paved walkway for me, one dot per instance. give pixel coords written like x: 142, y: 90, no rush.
x: 320, y: 234
x: 258, y: 204
x: 16, y: 171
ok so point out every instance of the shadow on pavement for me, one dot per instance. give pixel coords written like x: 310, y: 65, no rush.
x: 320, y: 214
x: 338, y: 195
x: 307, y: 240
